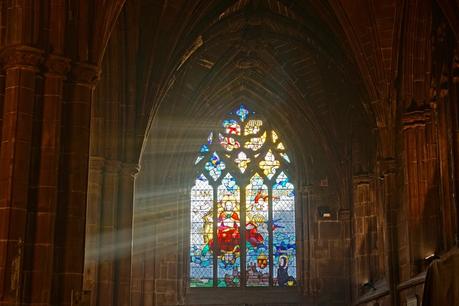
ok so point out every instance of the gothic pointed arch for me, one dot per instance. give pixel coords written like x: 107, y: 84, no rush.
x: 242, y: 207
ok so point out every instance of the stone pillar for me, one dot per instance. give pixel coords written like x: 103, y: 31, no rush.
x: 108, y: 246
x: 388, y: 192
x: 93, y: 226
x: 44, y: 189
x: 124, y: 233
x: 420, y: 192
x: 454, y: 96
x: 21, y: 64
x: 71, y: 212
x: 445, y: 133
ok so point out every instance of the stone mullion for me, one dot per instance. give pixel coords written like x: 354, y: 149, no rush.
x: 108, y: 245
x: 93, y: 224
x: 124, y: 233
x: 39, y: 276
x: 21, y: 66
x: 71, y: 212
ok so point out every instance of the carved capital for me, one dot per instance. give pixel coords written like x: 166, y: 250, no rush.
x: 22, y: 56
x: 57, y: 65
x: 416, y: 118
x: 130, y: 169
x: 85, y: 74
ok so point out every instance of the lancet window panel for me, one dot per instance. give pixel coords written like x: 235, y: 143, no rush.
x: 242, y: 207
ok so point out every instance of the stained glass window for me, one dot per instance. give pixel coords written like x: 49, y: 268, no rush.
x: 242, y: 222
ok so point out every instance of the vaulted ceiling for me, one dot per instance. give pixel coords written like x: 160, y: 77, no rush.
x: 325, y: 72
x: 283, y: 60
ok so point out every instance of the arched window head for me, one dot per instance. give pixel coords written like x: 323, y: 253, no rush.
x: 242, y: 230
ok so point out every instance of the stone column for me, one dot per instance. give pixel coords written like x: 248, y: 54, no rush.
x: 21, y: 64
x: 44, y: 190
x: 454, y: 96
x: 124, y: 233
x: 108, y: 245
x: 445, y: 133
x: 420, y: 193
x: 387, y: 187
x: 71, y: 212
x: 93, y: 226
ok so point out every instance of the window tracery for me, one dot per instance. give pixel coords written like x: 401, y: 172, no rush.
x: 242, y: 230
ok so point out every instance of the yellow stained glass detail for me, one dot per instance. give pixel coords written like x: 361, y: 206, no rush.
x: 242, y: 161
x: 253, y: 127
x: 269, y: 164
x: 256, y: 143
x: 275, y: 137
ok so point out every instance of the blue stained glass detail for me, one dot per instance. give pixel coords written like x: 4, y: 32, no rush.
x: 215, y: 166
x: 204, y: 149
x: 284, y: 237
x: 242, y: 113
x: 209, y: 139
x: 201, y: 177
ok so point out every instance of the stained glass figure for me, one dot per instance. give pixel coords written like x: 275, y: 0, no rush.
x: 228, y: 233
x: 256, y: 143
x: 253, y: 127
x: 204, y: 149
x: 215, y: 166
x: 217, y: 250
x: 275, y: 137
x: 201, y: 255
x: 231, y: 127
x: 229, y: 143
x: 198, y: 159
x: 269, y: 165
x: 285, y: 156
x: 280, y: 146
x: 210, y: 138
x: 257, y: 234
x: 242, y: 161
x: 284, y: 237
x: 242, y: 113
